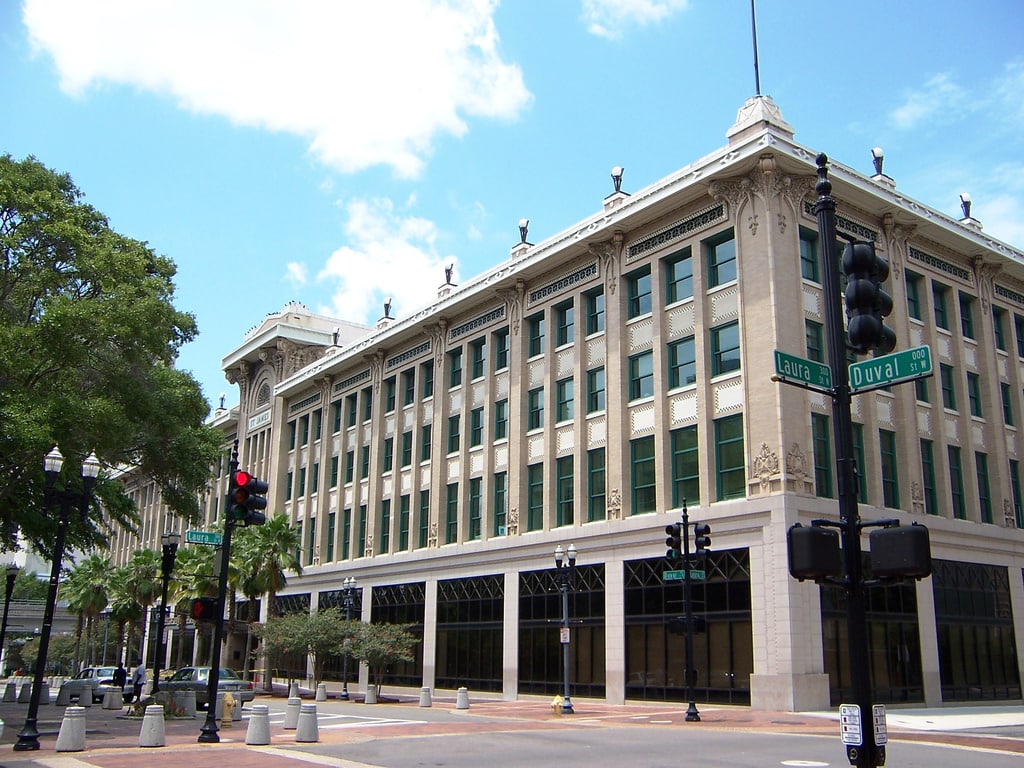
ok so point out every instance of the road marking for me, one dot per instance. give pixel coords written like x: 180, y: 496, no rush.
x: 334, y: 762
x: 805, y: 763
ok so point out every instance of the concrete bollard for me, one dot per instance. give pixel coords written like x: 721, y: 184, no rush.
x: 113, y: 699
x: 185, y: 701
x: 11, y: 691
x: 307, y: 731
x: 293, y: 690
x: 25, y: 693
x: 85, y: 697
x: 258, y: 733
x: 321, y: 691
x: 152, y: 733
x: 425, y: 697
x: 71, y: 737
x: 235, y: 710
x: 44, y: 693
x: 291, y: 713
x: 462, y: 699
x: 63, y: 696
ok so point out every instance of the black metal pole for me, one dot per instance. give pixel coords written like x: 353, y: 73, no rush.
x: 166, y: 566
x: 347, y: 602
x: 566, y: 699
x: 846, y: 476
x: 208, y: 733
x: 28, y: 738
x: 12, y: 574
x: 690, y: 673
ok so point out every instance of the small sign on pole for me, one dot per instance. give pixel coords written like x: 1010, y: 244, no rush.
x: 563, y: 635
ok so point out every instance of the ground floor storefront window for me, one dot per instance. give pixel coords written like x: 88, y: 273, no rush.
x: 470, y: 615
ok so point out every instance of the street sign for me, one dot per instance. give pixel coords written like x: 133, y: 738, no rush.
x: 680, y: 575
x: 204, y: 537
x: 799, y: 370
x: 906, y: 365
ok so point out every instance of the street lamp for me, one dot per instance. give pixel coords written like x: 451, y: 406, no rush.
x: 347, y: 599
x: 170, y: 552
x: 65, y: 498
x: 12, y: 574
x: 564, y: 576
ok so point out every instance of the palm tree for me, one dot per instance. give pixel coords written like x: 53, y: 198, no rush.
x: 193, y: 577
x: 252, y: 582
x: 274, y: 548
x: 124, y: 611
x: 86, y: 592
x: 145, y: 581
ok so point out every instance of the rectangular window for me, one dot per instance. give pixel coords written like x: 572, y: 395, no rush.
x: 451, y: 514
x: 914, y: 282
x: 596, y: 509
x: 809, y: 255
x: 535, y: 335
x: 334, y: 471
x: 423, y: 519
x: 364, y: 461
x: 500, y: 502
x: 535, y: 497
x: 822, y: 445
x: 565, y: 324
x: 595, y: 390
x: 385, y: 526
x: 304, y: 430
x: 921, y: 390
x: 730, y: 458
x: 454, y: 437
x: 318, y: 424
x: 409, y: 386
x: 984, y: 491
x: 685, y: 467
x: 815, y: 345
x: 890, y: 474
x: 974, y: 394
x: 352, y: 406
x: 1015, y: 489
x: 861, y: 465
x: 426, y: 439
x: 330, y: 536
x: 940, y: 300
x: 350, y: 465
x: 288, y: 485
x: 475, y: 508
x: 427, y: 379
x: 682, y: 363
x: 362, y: 531
x: 565, y: 400
x: 455, y: 367
x: 301, y: 540
x: 390, y: 392
x: 367, y: 396
x: 948, y: 387
x: 638, y: 293
x: 293, y: 431
x: 407, y: 448
x: 725, y: 348
x: 956, y: 483
x: 966, y: 315
x: 644, y: 475
x: 679, y: 276
x: 403, y: 523
x: 336, y: 415
x: 641, y: 375
x: 595, y: 310
x: 476, y: 427
x: 346, y: 534
x: 999, y: 327
x: 501, y: 349
x: 389, y: 454
x: 720, y: 252
x: 930, y: 489
x: 501, y: 420
x: 1018, y: 327
x: 1007, y: 397
x: 302, y: 482
x: 535, y: 408
x: 314, y: 482
x: 565, y: 491
x: 478, y: 358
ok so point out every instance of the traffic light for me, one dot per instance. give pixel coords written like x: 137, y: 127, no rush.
x: 246, y: 501
x: 205, y: 609
x: 701, y: 538
x: 866, y: 302
x: 674, y: 542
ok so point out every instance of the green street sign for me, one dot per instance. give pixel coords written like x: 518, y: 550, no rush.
x: 680, y: 575
x: 798, y: 370
x: 697, y: 575
x: 893, y: 368
x: 204, y: 537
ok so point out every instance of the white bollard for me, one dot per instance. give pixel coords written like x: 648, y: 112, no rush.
x: 44, y: 693
x: 293, y: 690
x: 258, y: 733
x: 152, y: 733
x: 370, y: 697
x: 291, y: 713
x: 63, y: 696
x: 185, y: 701
x: 25, y: 694
x: 321, y: 691
x: 11, y: 691
x: 71, y: 737
x: 85, y: 697
x: 307, y: 731
x: 425, y: 697
x: 113, y: 699
x: 462, y: 699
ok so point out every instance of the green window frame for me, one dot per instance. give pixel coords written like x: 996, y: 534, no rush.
x: 352, y: 406
x: 364, y: 462
x: 334, y: 471
x: 336, y: 408
x: 565, y: 400
x: 350, y: 466
x: 861, y: 464
x: 454, y: 433
x: 822, y: 450
x: 501, y: 419
x: 638, y: 293
x: 641, y: 375
x: 679, y: 276
x: 535, y: 334
x: 682, y: 363
x: 565, y: 491
x: 730, y: 458
x: 921, y: 391
x: 409, y: 386
x: 423, y: 518
x: 535, y: 408
x: 720, y: 252
x: 426, y: 441
x: 385, y: 526
x: 956, y: 483
x: 984, y: 488
x: 475, y: 508
x: 809, y: 269
x: 500, y: 503
x: 595, y: 390
x: 946, y: 382
x: 427, y: 379
x: 928, y: 484
x: 367, y: 404
x: 501, y: 348
x: 974, y: 395
x: 478, y: 358
x: 476, y: 427
x: 451, y: 514
x: 594, y: 302
x: 1018, y: 327
x: 389, y: 454
x: 403, y: 523
x: 999, y: 327
x: 914, y: 283
x: 346, y: 534
x: 725, y: 348
x: 534, y: 497
x: 966, y: 302
x: 814, y: 336
x: 407, y: 448
x: 390, y: 394
x: 596, y: 477
x: 685, y: 466
x: 1015, y: 489
x: 331, y: 517
x: 643, y: 475
x: 565, y: 323
x: 455, y: 367
x: 1007, y: 398
x: 940, y: 304
x: 890, y: 468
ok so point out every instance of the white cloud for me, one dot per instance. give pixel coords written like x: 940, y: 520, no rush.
x: 939, y: 98
x: 607, y: 18
x: 390, y: 254
x: 295, y: 273
x: 366, y: 83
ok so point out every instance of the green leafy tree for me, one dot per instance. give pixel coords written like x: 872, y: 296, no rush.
x: 125, y: 612
x: 317, y: 635
x: 60, y: 655
x: 86, y: 590
x: 193, y: 577
x: 28, y: 586
x: 381, y: 645
x: 88, y: 340
x: 252, y: 582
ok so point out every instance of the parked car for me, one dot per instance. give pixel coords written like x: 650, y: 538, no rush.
x: 197, y: 679
x: 100, y: 678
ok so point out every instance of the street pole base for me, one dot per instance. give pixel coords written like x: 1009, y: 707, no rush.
x: 692, y: 715
x: 344, y: 696
x: 567, y: 708
x: 27, y: 743
x: 208, y: 733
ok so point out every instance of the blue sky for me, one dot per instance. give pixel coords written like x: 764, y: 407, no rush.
x: 335, y: 153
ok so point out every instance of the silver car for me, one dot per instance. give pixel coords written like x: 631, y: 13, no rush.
x: 197, y: 679
x: 100, y: 678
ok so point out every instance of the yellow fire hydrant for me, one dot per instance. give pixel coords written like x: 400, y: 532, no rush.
x: 228, y: 710
x: 556, y: 705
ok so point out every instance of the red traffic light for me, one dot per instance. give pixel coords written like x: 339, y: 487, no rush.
x: 205, y: 609
x: 242, y: 479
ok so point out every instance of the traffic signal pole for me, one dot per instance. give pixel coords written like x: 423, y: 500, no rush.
x: 692, y: 714
x: 208, y: 733
x: 868, y: 755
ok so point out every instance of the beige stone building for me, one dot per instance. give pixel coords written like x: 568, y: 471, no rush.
x: 584, y: 387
